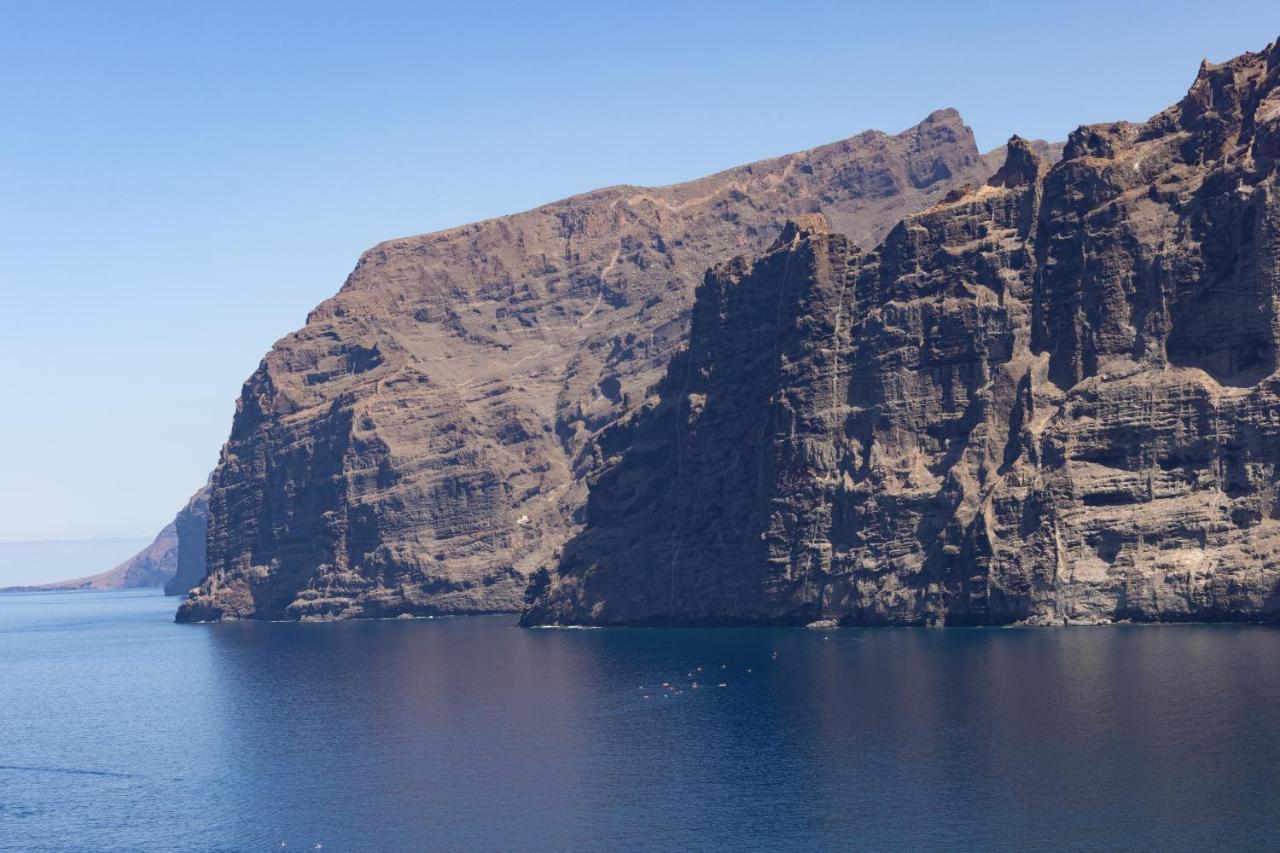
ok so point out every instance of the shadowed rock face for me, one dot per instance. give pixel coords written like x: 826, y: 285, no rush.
x: 191, y: 528
x: 1053, y: 398
x: 420, y: 446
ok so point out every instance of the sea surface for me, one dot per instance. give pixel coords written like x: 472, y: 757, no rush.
x: 120, y: 730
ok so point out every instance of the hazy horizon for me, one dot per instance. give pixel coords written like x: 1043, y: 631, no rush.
x: 185, y: 184
x: 33, y: 562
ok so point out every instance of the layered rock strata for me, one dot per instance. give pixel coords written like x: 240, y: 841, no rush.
x: 1052, y: 398
x: 421, y: 445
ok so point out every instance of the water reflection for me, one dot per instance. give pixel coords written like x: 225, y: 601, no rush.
x: 470, y: 734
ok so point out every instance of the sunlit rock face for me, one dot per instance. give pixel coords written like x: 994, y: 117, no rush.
x: 421, y: 445
x: 1051, y: 398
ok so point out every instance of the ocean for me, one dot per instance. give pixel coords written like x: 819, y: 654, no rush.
x: 121, y: 731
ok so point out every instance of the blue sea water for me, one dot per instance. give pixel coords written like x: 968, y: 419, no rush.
x: 120, y: 730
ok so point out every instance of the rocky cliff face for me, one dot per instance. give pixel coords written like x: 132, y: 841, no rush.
x: 191, y: 529
x: 420, y: 446
x: 1053, y: 398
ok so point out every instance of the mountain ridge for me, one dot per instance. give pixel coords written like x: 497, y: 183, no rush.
x: 1046, y: 399
x: 179, y: 543
x: 420, y: 445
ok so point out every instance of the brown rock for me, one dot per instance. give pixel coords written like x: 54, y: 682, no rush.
x: 1051, y: 399
x: 420, y: 446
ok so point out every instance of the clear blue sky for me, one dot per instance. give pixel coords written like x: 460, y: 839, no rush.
x: 181, y: 182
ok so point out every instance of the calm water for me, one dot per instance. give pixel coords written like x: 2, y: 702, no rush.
x: 122, y: 731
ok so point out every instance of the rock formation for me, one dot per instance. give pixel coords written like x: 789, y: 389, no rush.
x: 190, y: 527
x: 420, y: 446
x: 1052, y: 398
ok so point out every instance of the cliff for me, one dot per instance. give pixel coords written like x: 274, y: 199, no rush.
x: 420, y: 446
x: 1050, y: 399
x: 190, y: 527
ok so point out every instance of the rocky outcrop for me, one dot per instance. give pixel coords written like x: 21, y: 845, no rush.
x: 1052, y: 398
x: 191, y: 529
x: 420, y: 446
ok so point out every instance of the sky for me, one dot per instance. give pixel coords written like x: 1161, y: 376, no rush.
x: 57, y: 560
x: 180, y: 183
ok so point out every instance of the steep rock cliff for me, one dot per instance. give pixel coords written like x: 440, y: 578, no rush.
x: 1053, y: 398
x: 420, y: 446
x: 191, y: 529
